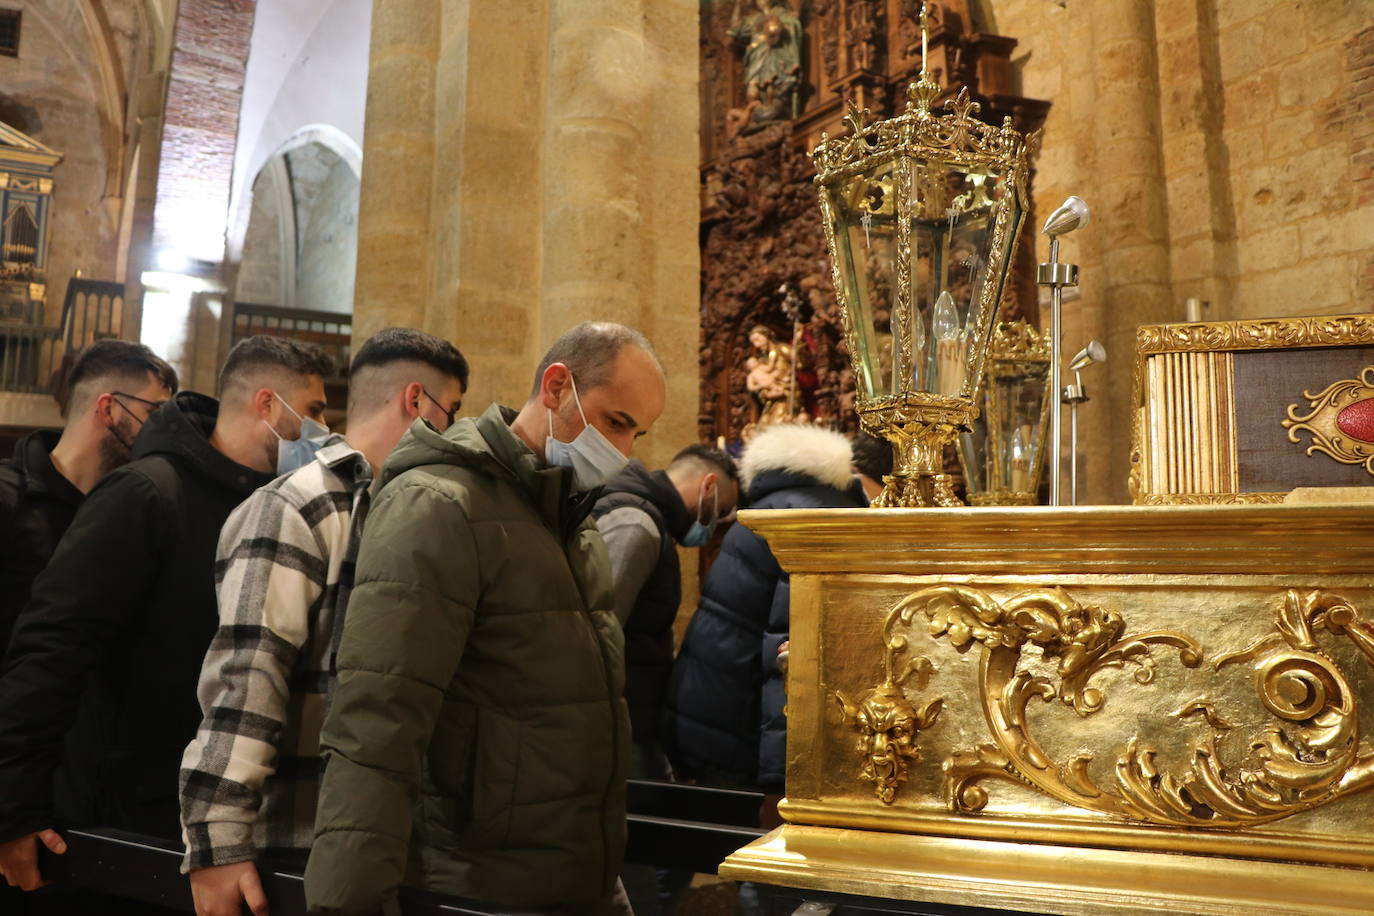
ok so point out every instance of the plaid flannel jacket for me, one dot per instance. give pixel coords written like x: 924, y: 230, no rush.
x: 283, y: 573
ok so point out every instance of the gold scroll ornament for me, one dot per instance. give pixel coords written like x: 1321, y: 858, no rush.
x: 1310, y: 755
x: 1339, y: 419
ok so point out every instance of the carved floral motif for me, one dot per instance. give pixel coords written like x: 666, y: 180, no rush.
x: 1340, y: 420
x: 1310, y: 754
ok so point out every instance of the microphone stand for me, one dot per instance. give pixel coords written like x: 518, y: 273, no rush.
x: 1056, y: 276
x: 1074, y: 395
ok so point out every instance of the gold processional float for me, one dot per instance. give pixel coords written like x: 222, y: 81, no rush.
x: 1115, y: 709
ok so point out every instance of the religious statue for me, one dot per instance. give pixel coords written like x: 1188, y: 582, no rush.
x: 772, y: 65
x: 770, y: 376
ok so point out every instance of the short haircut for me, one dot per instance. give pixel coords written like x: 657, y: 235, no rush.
x: 407, y: 345
x: 872, y: 457
x: 589, y: 351
x: 265, y: 353
x: 706, y: 457
x: 110, y: 365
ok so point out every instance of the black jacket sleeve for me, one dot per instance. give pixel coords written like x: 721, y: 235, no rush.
x: 91, y: 592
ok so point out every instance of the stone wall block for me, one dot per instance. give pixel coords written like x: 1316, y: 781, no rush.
x: 1289, y: 136
x: 1251, y: 100
x: 1317, y: 76
x: 1242, y: 49
x: 1337, y: 233
x: 1270, y: 249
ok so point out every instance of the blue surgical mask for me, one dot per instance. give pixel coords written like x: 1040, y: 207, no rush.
x: 592, y: 457
x: 296, y: 453
x: 700, y: 533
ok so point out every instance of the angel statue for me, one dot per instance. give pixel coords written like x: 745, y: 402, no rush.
x: 772, y: 36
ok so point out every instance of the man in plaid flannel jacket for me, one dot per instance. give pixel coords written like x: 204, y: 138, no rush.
x: 283, y: 573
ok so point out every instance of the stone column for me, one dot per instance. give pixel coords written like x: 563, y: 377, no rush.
x: 393, y: 281
x: 529, y: 164
x: 1131, y: 222
x: 594, y: 251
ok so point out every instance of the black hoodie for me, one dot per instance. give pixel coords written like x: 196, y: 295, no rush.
x: 98, y: 691
x: 36, y: 505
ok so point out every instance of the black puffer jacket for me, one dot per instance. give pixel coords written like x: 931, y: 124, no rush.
x: 98, y: 692
x: 36, y: 505
x: 649, y: 629
x: 725, y: 699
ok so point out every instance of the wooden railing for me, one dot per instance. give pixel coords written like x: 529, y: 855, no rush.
x: 331, y: 331
x: 92, y: 310
x: 31, y: 354
x: 674, y: 826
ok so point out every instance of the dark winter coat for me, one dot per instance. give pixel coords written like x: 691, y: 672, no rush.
x: 724, y: 717
x: 36, y: 505
x: 478, y: 742
x: 106, y: 655
x: 649, y: 628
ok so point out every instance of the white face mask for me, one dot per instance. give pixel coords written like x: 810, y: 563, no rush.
x: 298, y: 452
x: 592, y: 457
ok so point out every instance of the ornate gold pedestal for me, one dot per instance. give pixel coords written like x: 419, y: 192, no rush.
x: 1100, y: 710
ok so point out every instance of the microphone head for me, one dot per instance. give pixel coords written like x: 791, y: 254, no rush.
x: 1072, y: 214
x: 1094, y: 352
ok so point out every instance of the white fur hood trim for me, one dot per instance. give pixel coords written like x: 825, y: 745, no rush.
x: 800, y: 448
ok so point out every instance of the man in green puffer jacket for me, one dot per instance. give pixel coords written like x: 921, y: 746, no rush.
x: 478, y: 740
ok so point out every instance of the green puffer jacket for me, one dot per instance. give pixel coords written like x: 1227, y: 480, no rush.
x: 478, y: 740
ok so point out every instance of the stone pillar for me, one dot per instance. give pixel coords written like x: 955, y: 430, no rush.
x: 1131, y: 219
x: 204, y: 88
x: 529, y: 164
x: 486, y: 198
x: 594, y: 241
x: 392, y: 283
x: 177, y: 247
x: 1197, y: 161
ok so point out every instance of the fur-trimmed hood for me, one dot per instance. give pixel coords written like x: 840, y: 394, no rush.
x: 799, y: 448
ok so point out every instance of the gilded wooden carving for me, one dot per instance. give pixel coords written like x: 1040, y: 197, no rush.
x: 886, y: 720
x: 1339, y: 419
x: 760, y: 230
x: 1309, y: 755
x: 1184, y: 448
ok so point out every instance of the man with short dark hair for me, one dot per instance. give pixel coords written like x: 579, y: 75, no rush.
x: 111, y: 388
x: 284, y: 572
x: 481, y: 668
x: 97, y: 694
x: 643, y: 516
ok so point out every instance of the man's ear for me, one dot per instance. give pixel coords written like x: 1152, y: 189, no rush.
x: 411, y: 396
x: 263, y: 401
x: 552, y: 385
x: 104, y: 410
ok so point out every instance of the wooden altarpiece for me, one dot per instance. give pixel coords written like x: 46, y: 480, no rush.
x: 762, y: 247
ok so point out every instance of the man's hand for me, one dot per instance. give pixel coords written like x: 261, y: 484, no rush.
x: 221, y: 890
x: 19, y: 858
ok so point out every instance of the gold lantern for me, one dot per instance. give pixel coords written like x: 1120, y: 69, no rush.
x: 1003, y: 454
x: 921, y: 213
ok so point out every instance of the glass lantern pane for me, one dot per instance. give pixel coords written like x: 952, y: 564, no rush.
x: 973, y: 454
x: 864, y: 209
x: 953, y: 219
x: 1015, y: 414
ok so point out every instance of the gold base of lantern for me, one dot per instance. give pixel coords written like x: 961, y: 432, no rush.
x: 919, y: 434
x: 1003, y: 498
